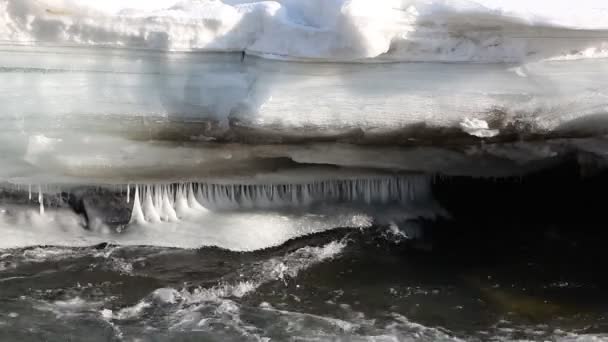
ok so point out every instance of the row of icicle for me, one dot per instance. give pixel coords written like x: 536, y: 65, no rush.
x: 40, y: 197
x: 171, y: 202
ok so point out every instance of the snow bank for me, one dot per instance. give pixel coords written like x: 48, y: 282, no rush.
x: 383, y: 30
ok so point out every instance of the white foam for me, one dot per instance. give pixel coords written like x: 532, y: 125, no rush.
x: 186, y: 303
x: 70, y: 307
x: 129, y: 312
x: 204, y: 309
x: 480, y: 30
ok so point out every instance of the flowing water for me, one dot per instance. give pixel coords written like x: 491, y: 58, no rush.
x: 369, y: 284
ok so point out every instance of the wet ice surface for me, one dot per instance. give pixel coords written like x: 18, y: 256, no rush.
x: 343, y: 285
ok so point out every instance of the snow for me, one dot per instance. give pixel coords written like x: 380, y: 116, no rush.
x: 353, y: 30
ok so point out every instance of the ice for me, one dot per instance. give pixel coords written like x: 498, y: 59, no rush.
x: 236, y: 231
x: 137, y: 214
x: 77, y: 109
x: 106, y: 160
x: 218, y: 97
x: 422, y: 30
x: 257, y: 99
x: 41, y: 200
x: 174, y: 202
x: 241, y: 217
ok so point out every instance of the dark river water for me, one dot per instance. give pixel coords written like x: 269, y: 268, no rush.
x: 343, y: 285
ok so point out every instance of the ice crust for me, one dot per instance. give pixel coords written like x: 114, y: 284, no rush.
x: 55, y: 91
x: 353, y: 30
x: 142, y: 70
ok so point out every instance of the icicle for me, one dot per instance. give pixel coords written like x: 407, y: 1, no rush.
x: 41, y: 200
x: 150, y: 212
x: 181, y: 202
x: 158, y: 203
x: 168, y: 213
x: 137, y: 215
x: 168, y: 203
x: 192, y: 202
x: 200, y: 197
x: 128, y: 192
x: 171, y: 195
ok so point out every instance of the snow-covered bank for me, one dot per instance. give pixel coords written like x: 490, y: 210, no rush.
x: 395, y: 30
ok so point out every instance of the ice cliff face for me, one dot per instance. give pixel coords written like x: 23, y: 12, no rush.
x: 86, y: 86
x: 336, y: 30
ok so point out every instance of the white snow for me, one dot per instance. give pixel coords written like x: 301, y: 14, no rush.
x: 403, y: 30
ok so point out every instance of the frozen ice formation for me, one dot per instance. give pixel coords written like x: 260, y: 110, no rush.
x: 390, y: 30
x: 167, y: 202
x: 266, y: 106
x: 144, y: 70
x: 189, y: 215
x: 218, y: 97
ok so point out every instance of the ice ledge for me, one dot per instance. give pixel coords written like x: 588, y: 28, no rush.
x: 224, y: 98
